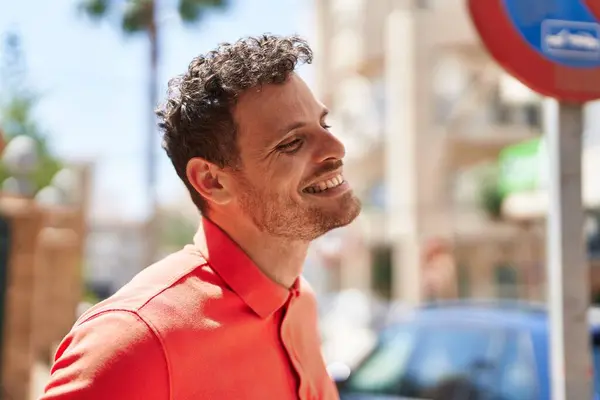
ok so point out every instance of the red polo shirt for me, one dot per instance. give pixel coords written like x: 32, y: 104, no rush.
x: 204, y: 323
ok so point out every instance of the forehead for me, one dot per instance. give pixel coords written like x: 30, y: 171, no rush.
x: 264, y: 113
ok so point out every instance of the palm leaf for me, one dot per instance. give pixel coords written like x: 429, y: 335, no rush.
x: 95, y: 9
x: 137, y: 16
x: 191, y: 11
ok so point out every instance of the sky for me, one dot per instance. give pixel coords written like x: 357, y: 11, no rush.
x: 93, y: 84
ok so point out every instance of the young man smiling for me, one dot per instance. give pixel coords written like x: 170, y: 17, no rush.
x: 228, y: 317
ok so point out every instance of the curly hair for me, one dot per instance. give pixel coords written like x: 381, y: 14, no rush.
x: 197, y: 117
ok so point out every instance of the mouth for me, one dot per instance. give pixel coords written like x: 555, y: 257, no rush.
x: 325, y: 185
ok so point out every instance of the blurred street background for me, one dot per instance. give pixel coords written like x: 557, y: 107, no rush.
x: 438, y: 287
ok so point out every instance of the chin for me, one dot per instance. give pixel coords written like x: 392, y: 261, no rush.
x: 344, y: 215
x: 351, y: 207
x: 308, y: 223
x: 348, y: 218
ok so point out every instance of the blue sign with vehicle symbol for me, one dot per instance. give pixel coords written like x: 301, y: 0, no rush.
x: 563, y: 31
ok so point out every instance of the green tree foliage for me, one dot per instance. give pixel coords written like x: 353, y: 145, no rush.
x: 490, y: 195
x: 141, y: 15
x: 17, y: 112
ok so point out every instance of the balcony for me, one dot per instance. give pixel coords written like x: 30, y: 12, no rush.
x: 451, y: 26
x: 487, y: 113
x: 484, y: 140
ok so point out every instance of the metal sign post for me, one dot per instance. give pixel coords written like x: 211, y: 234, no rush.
x: 568, y: 269
x: 553, y: 47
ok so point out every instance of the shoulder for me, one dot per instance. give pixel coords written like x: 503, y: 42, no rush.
x: 151, y: 283
x: 170, y: 306
x: 179, y: 293
x: 99, y: 355
x: 128, y: 333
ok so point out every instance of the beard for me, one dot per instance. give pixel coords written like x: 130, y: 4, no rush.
x: 281, y: 216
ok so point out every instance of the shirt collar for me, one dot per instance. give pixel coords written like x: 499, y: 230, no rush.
x: 239, y: 272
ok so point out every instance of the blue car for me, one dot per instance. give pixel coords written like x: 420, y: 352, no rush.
x: 461, y: 351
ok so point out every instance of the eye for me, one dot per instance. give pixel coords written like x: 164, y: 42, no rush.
x: 326, y: 126
x: 291, y: 147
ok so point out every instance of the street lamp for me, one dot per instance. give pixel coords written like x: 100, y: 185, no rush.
x: 68, y: 181
x: 63, y: 190
x: 50, y: 196
x: 20, y: 158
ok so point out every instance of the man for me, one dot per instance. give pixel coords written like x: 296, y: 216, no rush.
x: 228, y: 317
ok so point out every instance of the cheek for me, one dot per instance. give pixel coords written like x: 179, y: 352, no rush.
x: 280, y: 185
x: 281, y: 177
x: 287, y: 171
x: 289, y: 177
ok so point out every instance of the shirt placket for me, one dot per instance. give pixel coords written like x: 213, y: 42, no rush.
x: 289, y: 339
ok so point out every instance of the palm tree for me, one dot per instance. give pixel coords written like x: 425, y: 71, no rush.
x: 142, y: 17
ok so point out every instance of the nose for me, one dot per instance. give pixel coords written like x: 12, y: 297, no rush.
x: 328, y: 147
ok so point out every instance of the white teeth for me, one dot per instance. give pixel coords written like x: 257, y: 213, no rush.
x: 324, y: 185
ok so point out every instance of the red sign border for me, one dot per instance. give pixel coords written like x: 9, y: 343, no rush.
x: 518, y: 58
x: 594, y: 6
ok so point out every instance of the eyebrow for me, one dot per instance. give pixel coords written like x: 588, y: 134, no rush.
x: 296, y: 125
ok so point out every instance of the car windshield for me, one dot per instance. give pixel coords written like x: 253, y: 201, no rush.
x: 448, y: 362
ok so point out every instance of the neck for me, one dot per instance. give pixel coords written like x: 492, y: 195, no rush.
x: 280, y: 259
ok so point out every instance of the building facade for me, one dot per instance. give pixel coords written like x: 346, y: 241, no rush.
x: 423, y: 110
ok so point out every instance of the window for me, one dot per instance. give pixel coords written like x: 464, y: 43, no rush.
x: 517, y: 371
x: 381, y: 272
x: 382, y: 370
x: 422, y: 361
x: 464, y: 282
x: 507, y: 282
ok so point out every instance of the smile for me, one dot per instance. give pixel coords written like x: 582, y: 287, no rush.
x: 325, y: 185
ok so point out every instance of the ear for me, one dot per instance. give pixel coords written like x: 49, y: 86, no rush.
x: 209, y: 180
